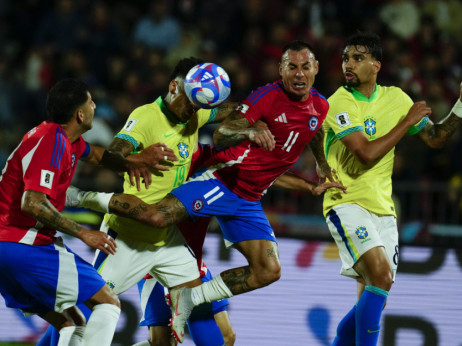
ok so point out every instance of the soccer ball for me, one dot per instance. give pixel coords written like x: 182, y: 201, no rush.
x: 207, y: 85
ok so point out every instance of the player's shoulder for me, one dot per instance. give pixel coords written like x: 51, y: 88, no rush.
x: 146, y: 110
x: 264, y: 92
x: 391, y: 92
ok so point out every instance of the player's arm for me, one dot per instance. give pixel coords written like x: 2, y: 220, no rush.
x: 236, y: 128
x: 291, y: 181
x: 39, y: 207
x: 436, y: 135
x: 224, y: 110
x: 368, y: 152
x: 118, y: 158
x: 317, y: 148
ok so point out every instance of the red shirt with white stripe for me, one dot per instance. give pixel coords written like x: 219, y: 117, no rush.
x: 44, y: 161
x: 247, y: 169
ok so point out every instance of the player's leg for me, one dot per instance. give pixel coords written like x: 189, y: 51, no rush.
x: 361, y: 248
x: 209, y: 323
x: 156, y: 313
x: 70, y: 324
x: 105, y: 313
x: 224, y: 323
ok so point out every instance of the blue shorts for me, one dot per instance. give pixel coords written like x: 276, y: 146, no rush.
x: 40, y: 278
x: 156, y: 311
x: 239, y: 218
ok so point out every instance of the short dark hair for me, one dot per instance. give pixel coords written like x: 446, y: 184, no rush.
x: 184, y: 65
x: 64, y: 98
x: 369, y: 40
x: 297, y: 45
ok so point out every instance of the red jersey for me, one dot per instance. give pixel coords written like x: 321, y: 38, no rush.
x: 45, y: 161
x: 248, y: 169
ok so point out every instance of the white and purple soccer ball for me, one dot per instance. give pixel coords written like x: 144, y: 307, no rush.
x: 207, y: 85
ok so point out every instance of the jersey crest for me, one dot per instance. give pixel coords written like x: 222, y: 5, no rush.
x: 313, y: 123
x: 370, y: 127
x: 183, y: 149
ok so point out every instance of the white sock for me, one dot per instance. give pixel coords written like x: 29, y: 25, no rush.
x: 101, y: 325
x: 210, y: 291
x: 142, y: 343
x: 71, y: 336
x: 98, y: 201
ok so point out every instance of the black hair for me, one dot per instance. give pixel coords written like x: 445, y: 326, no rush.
x: 64, y: 98
x: 369, y: 40
x: 184, y: 65
x: 297, y: 45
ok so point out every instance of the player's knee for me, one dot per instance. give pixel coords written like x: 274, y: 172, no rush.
x: 383, y: 279
x: 268, y: 274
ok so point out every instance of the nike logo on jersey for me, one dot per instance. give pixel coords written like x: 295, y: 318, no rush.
x: 281, y: 119
x: 373, y: 331
x: 168, y: 135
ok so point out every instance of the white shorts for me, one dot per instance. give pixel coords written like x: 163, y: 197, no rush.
x: 357, y: 230
x: 171, y: 264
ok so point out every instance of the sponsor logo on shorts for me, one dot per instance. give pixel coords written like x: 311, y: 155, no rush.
x: 198, y: 204
x: 361, y: 232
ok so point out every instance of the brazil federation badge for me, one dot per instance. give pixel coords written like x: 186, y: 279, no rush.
x: 183, y: 150
x: 361, y: 232
x: 370, y: 127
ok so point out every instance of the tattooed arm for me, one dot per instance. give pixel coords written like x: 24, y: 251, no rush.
x: 436, y: 135
x: 317, y: 148
x: 38, y: 206
x: 224, y: 110
x: 166, y: 212
x: 118, y: 158
x: 236, y: 129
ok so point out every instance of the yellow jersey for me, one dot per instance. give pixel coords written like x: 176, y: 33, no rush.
x: 350, y: 111
x: 149, y: 124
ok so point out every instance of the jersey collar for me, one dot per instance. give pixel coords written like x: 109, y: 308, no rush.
x: 168, y: 113
x: 361, y: 97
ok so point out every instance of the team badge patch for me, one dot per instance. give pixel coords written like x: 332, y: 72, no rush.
x: 183, y: 149
x: 242, y: 108
x: 361, y: 232
x: 313, y: 123
x: 198, y: 204
x: 46, y: 178
x: 342, y: 119
x: 130, y: 125
x: 369, y: 127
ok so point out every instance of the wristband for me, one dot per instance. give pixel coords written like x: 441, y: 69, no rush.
x: 457, y: 109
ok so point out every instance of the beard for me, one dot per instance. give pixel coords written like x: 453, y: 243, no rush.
x: 353, y: 83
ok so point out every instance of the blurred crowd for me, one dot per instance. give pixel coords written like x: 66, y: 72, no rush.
x: 125, y: 50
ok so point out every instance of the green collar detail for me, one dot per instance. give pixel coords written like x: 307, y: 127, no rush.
x: 168, y: 113
x: 361, y: 97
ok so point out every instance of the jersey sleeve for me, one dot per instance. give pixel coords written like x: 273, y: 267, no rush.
x: 206, y: 116
x: 84, y: 148
x: 43, y: 165
x: 343, y: 117
x: 136, y: 129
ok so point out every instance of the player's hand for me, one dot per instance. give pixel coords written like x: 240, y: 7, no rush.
x: 260, y: 135
x: 321, y: 188
x: 325, y: 172
x: 98, y: 240
x: 157, y: 157
x: 417, y: 112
